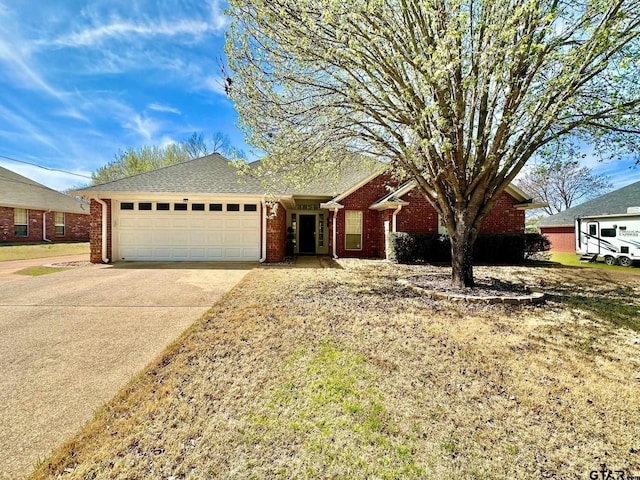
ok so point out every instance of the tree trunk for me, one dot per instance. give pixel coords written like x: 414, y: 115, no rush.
x: 462, y: 242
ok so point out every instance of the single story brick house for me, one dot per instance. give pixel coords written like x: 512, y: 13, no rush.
x: 560, y: 228
x: 202, y: 210
x: 31, y: 212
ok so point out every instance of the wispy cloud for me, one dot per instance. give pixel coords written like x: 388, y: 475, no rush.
x: 164, y: 108
x: 14, y: 57
x: 123, y: 29
x: 79, y: 84
x: 104, y: 27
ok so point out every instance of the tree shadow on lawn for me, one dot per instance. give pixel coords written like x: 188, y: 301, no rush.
x: 617, y: 305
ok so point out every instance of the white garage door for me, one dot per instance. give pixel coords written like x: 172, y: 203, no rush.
x: 206, y: 232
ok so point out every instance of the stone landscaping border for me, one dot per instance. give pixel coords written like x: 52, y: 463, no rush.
x: 533, y: 297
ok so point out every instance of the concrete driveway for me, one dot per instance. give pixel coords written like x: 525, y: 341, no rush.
x: 70, y: 340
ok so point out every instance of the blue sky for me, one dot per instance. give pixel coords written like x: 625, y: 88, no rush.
x: 81, y: 80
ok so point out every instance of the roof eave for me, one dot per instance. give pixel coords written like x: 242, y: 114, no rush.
x: 530, y: 206
x: 388, y: 205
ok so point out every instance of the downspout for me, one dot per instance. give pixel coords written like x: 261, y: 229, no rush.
x: 393, y: 222
x: 335, y: 234
x: 263, y: 207
x: 44, y: 227
x: 104, y: 230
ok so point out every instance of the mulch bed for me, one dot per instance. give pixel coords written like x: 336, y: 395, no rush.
x: 484, y: 287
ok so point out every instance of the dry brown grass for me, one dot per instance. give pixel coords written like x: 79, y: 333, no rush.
x: 344, y: 374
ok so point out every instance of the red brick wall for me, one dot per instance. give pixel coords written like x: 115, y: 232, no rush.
x: 563, y: 239
x: 372, y: 235
x: 95, y: 232
x: 504, y: 218
x: 276, y: 234
x: 76, y: 226
x: 417, y: 217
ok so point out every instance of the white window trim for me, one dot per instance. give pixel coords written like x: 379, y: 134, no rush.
x: 347, y: 233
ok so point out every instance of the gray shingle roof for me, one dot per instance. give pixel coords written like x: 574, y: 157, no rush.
x: 213, y: 174
x: 343, y: 178
x: 21, y: 192
x: 209, y: 174
x: 608, y: 204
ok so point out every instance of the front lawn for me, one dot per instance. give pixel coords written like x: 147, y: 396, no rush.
x: 41, y: 250
x: 343, y: 373
x: 573, y: 260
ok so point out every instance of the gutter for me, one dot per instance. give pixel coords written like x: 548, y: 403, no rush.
x: 263, y: 257
x: 104, y: 231
x: 395, y: 213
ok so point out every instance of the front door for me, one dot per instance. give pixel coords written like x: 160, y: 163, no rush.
x: 307, y: 234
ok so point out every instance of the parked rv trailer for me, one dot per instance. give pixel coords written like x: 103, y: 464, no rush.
x: 615, y: 238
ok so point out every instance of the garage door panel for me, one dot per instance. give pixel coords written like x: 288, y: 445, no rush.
x: 215, y: 238
x: 162, y: 222
x: 197, y: 237
x: 234, y: 238
x: 180, y: 221
x: 188, y: 235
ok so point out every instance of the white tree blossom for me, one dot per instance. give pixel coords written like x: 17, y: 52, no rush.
x: 455, y: 94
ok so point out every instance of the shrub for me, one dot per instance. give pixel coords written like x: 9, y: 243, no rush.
x: 535, y: 243
x: 432, y: 248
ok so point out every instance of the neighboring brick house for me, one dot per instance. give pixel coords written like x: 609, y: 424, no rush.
x: 31, y: 212
x: 201, y: 210
x: 560, y: 228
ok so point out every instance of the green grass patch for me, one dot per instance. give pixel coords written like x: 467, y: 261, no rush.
x: 24, y: 252
x: 37, y: 271
x: 573, y: 260
x: 331, y: 411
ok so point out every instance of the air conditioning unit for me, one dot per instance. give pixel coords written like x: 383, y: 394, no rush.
x: 633, y: 209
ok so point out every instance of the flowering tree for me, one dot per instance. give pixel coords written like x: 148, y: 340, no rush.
x: 456, y: 94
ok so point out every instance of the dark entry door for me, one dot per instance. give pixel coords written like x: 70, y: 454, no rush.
x: 307, y: 235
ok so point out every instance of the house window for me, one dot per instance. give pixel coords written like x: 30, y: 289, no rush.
x: 59, y: 222
x: 353, y: 230
x: 215, y: 207
x: 162, y: 206
x: 126, y: 206
x: 144, y: 206
x: 20, y: 221
x: 250, y: 207
x: 233, y: 207
x: 180, y: 207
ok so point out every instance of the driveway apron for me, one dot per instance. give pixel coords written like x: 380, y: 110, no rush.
x: 70, y: 340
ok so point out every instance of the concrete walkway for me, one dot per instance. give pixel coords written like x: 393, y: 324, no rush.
x: 70, y: 340
x: 9, y: 267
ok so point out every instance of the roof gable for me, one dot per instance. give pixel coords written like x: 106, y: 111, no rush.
x: 18, y: 191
